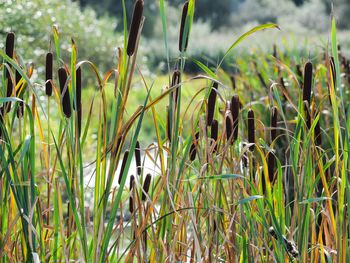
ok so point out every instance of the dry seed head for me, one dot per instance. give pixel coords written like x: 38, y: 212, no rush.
x: 78, y: 87
x: 146, y: 185
x: 10, y: 44
x: 175, y: 81
x: 183, y: 46
x: 233, y: 81
x: 168, y: 128
x: 307, y: 82
x: 131, y: 199
x: 271, y: 166
x: 135, y: 27
x: 228, y: 125
x: 48, y: 72
x: 214, y: 133
x: 273, y: 123
x: 251, y: 129
x: 318, y: 134
x: 307, y: 114
x: 138, y: 158
x: 235, y: 106
x: 211, y: 103
x: 65, y: 99
x: 193, y: 149
x: 126, y: 154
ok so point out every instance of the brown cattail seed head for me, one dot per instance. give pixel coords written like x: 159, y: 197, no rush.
x: 138, y: 158
x: 211, y: 103
x: 307, y: 82
x: 78, y: 85
x: 251, y: 129
x: 146, y: 185
x: 214, y: 133
x: 48, y: 72
x: 235, y: 105
x: 168, y: 123
x: 318, y: 135
x: 175, y: 81
x: 193, y: 149
x: 131, y: 200
x: 183, y: 43
x: 233, y: 81
x: 229, y: 126
x: 62, y: 77
x: 273, y: 123
x: 271, y: 166
x: 307, y: 114
x: 10, y: 44
x: 126, y: 154
x: 135, y: 27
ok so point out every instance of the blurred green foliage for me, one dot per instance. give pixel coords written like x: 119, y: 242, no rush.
x: 32, y: 23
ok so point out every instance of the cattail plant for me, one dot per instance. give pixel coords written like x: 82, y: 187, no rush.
x: 78, y: 96
x: 318, y: 135
x: 251, y: 129
x: 168, y: 122
x: 235, y: 105
x: 274, y: 50
x: 146, y: 185
x: 131, y: 199
x: 126, y: 154
x: 307, y: 114
x: 19, y: 94
x: 48, y: 72
x: 135, y: 27
x: 65, y: 99
x: 175, y: 81
x: 183, y: 43
x: 193, y: 149
x: 307, y: 82
x: 138, y: 158
x: 233, y: 81
x: 214, y: 134
x: 9, y: 50
x: 228, y: 125
x: 211, y: 103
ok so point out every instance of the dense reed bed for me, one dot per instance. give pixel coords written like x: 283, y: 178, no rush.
x: 254, y: 169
